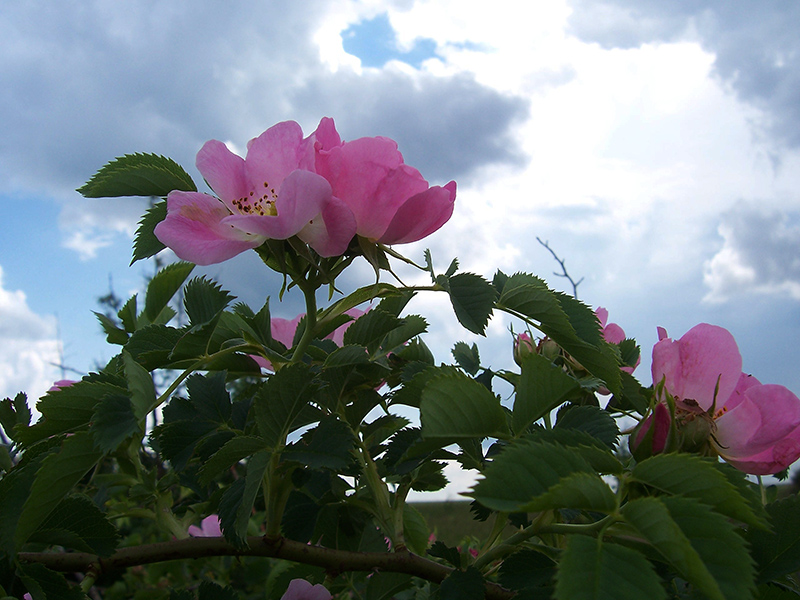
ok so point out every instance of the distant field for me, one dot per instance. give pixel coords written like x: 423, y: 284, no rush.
x: 452, y: 521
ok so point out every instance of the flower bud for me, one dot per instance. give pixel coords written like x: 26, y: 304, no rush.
x: 549, y: 349
x: 523, y: 346
x: 654, y: 435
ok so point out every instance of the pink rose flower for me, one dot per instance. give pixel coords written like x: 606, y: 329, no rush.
x: 300, y: 589
x: 391, y: 201
x: 754, y: 427
x: 613, y: 334
x: 273, y: 193
x: 209, y: 527
x: 61, y: 383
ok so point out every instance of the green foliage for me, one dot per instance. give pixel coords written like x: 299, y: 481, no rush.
x: 138, y: 175
x: 472, y: 298
x: 591, y: 569
x: 145, y: 242
x: 542, y: 387
x: 777, y: 551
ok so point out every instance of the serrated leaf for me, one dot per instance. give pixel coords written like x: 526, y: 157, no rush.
x: 328, y: 445
x: 542, y: 387
x: 152, y: 346
x: 56, y: 477
x: 580, y: 491
x: 204, y: 300
x: 145, y: 242
x: 127, y: 314
x: 209, y: 396
x: 383, y: 585
x: 347, y: 356
x: 415, y: 529
x: 412, y: 326
x: 68, y: 409
x: 14, y: 412
x: 232, y: 452
x: 76, y: 523
x: 237, y: 501
x: 693, y: 477
x: 523, y: 472
x: 177, y: 440
x: 281, y: 400
x: 720, y: 546
x: 591, y: 419
x: 138, y: 175
x: 463, y: 585
x: 454, y: 406
x: 467, y: 357
x: 114, y: 335
x: 593, y: 451
x: 15, y: 488
x: 441, y: 550
x: 473, y: 300
x: 113, y: 422
x: 652, y: 519
x: 591, y: 569
x: 777, y: 552
x: 162, y: 288
x: 211, y: 591
x: 528, y: 570
x: 369, y: 329
x: 140, y: 386
x: 44, y: 584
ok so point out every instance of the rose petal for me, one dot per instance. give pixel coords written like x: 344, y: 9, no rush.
x: 421, y: 215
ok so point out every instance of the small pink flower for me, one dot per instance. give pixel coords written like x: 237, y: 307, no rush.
x: 273, y: 193
x: 209, y: 527
x: 300, y: 589
x: 61, y: 383
x: 523, y: 346
x: 754, y: 427
x: 613, y: 334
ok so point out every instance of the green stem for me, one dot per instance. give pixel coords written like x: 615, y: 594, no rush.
x: 497, y: 529
x: 311, y: 322
x: 400, y: 496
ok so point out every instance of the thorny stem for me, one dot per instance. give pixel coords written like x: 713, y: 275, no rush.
x: 336, y: 561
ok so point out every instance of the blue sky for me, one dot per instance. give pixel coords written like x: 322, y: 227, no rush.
x: 655, y: 146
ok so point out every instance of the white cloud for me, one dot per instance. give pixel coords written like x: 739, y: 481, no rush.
x: 29, y: 347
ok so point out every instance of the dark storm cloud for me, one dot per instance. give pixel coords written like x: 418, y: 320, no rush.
x: 446, y: 127
x: 761, y: 252
x: 85, y: 82
x: 756, y: 44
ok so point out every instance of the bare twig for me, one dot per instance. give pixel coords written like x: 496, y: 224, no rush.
x: 564, y: 272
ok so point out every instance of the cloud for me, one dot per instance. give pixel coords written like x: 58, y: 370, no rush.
x: 29, y: 347
x: 756, y: 45
x: 760, y: 254
x: 87, y: 83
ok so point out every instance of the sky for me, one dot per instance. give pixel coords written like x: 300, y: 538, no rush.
x: 655, y: 146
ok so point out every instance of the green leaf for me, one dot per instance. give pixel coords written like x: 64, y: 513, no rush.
x: 329, y: 446
x: 113, y: 422
x: 591, y: 419
x: 138, y: 175
x: 580, y: 491
x: 162, y: 288
x: 467, y: 358
x: 204, y: 300
x: 463, y: 585
x: 473, y: 300
x: 145, y: 242
x: 347, y: 356
x: 383, y: 585
x: 440, y: 550
x: 542, y: 386
x: 15, y: 488
x: 369, y: 329
x: 719, y: 544
x: 777, y: 552
x: 415, y: 529
x: 44, y: 584
x: 69, y: 409
x: 593, y: 451
x: 591, y: 569
x: 114, y: 335
x: 281, y: 400
x: 694, y: 477
x: 524, y: 471
x: 211, y: 591
x: 57, y: 476
x: 412, y: 326
x: 152, y: 346
x: 454, y: 406
x: 209, y: 396
x: 528, y: 570
x: 237, y: 501
x: 77, y: 524
x: 651, y: 518
x: 232, y: 452
x: 140, y: 386
x: 14, y: 412
x: 127, y: 314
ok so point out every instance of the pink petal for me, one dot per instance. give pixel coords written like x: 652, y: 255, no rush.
x: 195, y: 229
x: 302, y: 197
x: 706, y: 356
x: 613, y: 333
x: 338, y: 334
x: 765, y: 415
x: 274, y: 154
x: 602, y: 316
x: 224, y: 171
x: 776, y: 458
x: 209, y: 527
x: 421, y: 215
x: 300, y: 589
x: 283, y: 330
x: 330, y: 232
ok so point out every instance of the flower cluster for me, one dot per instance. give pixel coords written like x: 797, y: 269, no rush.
x: 318, y: 188
x: 706, y: 404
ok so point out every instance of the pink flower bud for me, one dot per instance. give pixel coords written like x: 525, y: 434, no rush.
x: 654, y: 435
